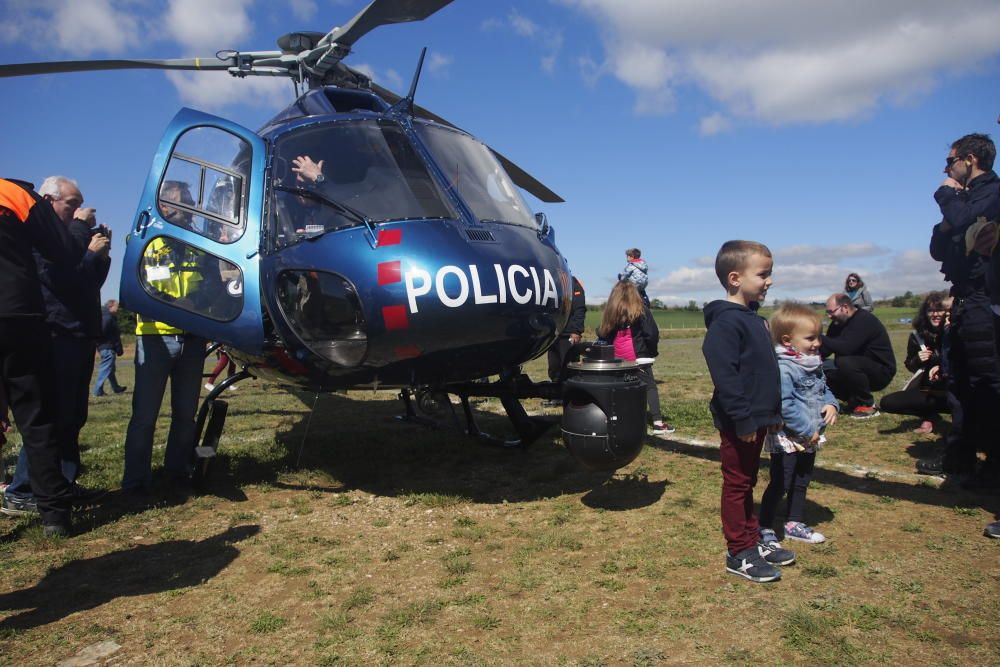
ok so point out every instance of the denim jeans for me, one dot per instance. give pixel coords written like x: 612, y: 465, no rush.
x: 106, y: 372
x: 181, y: 359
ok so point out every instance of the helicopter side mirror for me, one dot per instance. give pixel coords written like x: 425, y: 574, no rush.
x: 543, y: 225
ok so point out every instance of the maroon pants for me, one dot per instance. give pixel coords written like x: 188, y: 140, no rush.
x: 739, y: 475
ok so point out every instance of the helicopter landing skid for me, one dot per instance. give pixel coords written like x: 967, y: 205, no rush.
x: 428, y: 402
x: 510, y: 391
x: 209, y: 425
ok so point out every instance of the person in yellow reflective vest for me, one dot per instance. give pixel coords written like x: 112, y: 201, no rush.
x: 175, y: 273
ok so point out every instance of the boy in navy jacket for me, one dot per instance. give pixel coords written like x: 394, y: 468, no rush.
x: 746, y: 402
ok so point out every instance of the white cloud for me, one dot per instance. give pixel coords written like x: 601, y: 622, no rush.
x: 394, y: 79
x: 522, y: 25
x: 812, y: 273
x: 713, y: 124
x: 439, y: 63
x: 303, y: 10
x: 787, y: 61
x: 210, y: 91
x: 79, y: 27
x: 550, y: 40
x: 88, y: 26
x: 206, y: 27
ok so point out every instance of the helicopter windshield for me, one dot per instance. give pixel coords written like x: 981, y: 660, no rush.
x: 357, y: 170
x: 471, y: 168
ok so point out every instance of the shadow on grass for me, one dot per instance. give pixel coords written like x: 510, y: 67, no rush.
x: 948, y: 496
x: 90, y: 582
x: 627, y: 493
x: 363, y: 446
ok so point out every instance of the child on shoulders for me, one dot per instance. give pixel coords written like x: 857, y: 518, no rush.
x: 807, y: 408
x: 636, y: 271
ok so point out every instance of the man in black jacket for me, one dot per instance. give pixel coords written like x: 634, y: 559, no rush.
x: 72, y: 295
x: 864, y: 359
x: 28, y: 223
x: 570, y: 336
x: 969, y: 193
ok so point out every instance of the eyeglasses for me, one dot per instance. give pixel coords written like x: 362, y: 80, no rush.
x: 831, y: 312
x: 952, y: 160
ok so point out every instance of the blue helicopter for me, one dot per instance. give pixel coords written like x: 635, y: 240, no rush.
x: 356, y: 240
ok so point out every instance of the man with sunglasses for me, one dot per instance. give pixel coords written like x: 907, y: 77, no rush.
x: 969, y: 193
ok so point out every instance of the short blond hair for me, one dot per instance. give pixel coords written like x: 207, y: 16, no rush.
x: 788, y: 316
x: 735, y: 255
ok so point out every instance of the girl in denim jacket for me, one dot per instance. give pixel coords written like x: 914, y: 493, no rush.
x: 807, y: 408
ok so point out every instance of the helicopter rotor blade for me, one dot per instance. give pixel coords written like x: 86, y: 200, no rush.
x: 24, y: 69
x: 520, y: 177
x: 382, y: 12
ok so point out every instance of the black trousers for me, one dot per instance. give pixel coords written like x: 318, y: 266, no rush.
x: 924, y: 404
x: 74, y: 366
x: 973, y: 368
x: 25, y: 359
x: 557, y: 357
x: 790, y: 476
x: 852, y: 379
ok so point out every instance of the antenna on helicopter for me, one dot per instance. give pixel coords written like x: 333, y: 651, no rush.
x: 405, y: 105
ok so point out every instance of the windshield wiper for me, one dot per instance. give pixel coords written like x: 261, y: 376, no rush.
x: 354, y: 213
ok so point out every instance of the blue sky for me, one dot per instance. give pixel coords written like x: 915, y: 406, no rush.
x: 817, y: 128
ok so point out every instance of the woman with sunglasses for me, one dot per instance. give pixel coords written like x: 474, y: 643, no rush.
x: 855, y: 288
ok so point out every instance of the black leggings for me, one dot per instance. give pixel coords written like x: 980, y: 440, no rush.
x: 924, y: 404
x: 790, y: 475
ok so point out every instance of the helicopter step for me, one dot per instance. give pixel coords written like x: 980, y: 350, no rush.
x: 208, y: 427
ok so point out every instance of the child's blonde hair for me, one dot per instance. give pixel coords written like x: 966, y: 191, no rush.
x: 624, y: 307
x: 790, y: 315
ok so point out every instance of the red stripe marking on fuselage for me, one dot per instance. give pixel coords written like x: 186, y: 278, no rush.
x: 395, y: 318
x: 389, y: 237
x: 389, y: 272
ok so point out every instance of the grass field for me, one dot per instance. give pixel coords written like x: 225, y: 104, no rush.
x: 349, y: 538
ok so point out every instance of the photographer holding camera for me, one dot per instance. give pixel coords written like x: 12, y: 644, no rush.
x: 72, y: 296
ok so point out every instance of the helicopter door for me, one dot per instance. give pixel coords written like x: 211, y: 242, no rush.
x: 191, y: 258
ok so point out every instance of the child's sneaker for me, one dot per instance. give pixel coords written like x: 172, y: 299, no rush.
x: 774, y: 553
x: 795, y: 530
x: 661, y: 428
x: 750, y: 563
x: 209, y: 386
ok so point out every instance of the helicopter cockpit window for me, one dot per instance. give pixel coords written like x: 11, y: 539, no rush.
x: 206, y: 179
x: 476, y: 175
x: 189, y: 278
x: 342, y: 174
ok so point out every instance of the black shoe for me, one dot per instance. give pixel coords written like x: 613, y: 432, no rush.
x: 81, y: 495
x: 119, y: 390
x: 775, y: 554
x: 18, y: 505
x: 56, y: 529
x: 933, y: 466
x: 750, y: 563
x: 992, y: 530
